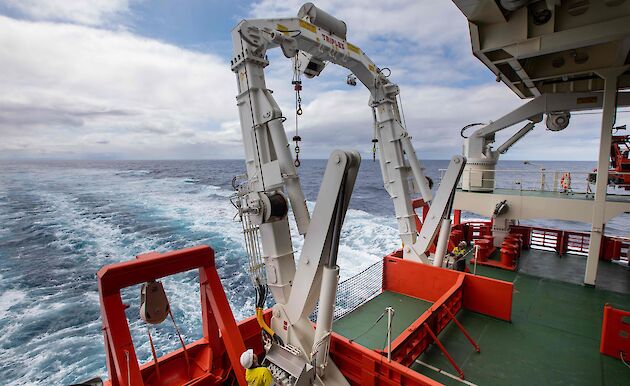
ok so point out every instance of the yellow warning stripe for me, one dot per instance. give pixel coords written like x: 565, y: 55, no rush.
x: 586, y: 100
x: 354, y: 48
x: 282, y: 28
x: 308, y: 26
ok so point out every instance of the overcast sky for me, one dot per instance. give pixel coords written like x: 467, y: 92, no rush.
x: 134, y: 79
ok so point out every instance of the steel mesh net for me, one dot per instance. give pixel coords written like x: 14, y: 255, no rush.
x: 356, y: 290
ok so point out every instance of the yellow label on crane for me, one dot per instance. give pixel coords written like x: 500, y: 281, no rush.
x: 586, y: 100
x: 354, y: 48
x: 282, y: 29
x: 308, y: 26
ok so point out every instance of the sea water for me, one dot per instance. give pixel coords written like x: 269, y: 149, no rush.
x: 60, y: 221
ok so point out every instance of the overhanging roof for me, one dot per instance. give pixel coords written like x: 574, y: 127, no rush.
x: 562, y: 54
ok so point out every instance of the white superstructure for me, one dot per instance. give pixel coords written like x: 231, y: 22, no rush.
x: 568, y: 56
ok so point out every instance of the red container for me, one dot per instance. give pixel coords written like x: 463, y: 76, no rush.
x: 457, y: 236
x: 485, y: 248
x: 508, y: 256
x: 515, y: 238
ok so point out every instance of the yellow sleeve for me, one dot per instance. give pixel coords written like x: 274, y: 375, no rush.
x: 267, y: 378
x: 259, y: 376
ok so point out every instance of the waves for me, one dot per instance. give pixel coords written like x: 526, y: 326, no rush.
x: 63, y: 224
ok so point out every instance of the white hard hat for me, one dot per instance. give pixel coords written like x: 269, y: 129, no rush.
x: 247, y: 358
x: 462, y: 244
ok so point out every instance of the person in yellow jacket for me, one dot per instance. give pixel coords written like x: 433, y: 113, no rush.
x: 459, y: 257
x: 255, y: 374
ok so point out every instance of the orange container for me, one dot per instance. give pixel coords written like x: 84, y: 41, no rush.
x: 508, y: 255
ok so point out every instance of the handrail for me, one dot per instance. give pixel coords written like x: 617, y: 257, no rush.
x: 541, y: 180
x: 538, y: 171
x: 563, y: 241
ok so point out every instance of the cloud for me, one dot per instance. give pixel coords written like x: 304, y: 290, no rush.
x: 92, y: 12
x: 62, y: 83
x: 343, y: 119
x: 396, y: 19
x: 77, y: 91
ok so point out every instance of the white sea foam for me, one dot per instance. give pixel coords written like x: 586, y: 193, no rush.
x: 9, y: 299
x: 365, y: 238
x: 132, y: 173
x: 99, y: 237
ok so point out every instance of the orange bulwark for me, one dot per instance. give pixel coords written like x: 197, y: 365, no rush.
x: 449, y: 291
x: 615, y: 340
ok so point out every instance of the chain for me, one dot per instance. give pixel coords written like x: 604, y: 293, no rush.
x: 297, y: 86
x: 374, y: 136
x: 374, y: 142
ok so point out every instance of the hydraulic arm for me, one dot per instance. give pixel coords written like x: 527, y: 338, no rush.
x: 482, y: 159
x: 313, y: 39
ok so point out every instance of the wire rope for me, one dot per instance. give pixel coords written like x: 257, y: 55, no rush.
x: 369, y: 328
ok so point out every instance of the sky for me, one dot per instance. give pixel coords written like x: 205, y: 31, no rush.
x: 141, y: 79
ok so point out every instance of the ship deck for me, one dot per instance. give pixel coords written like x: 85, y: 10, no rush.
x: 570, y: 268
x: 356, y: 325
x: 553, y: 338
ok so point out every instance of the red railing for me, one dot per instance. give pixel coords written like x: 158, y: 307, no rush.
x: 560, y: 241
x: 576, y: 242
x: 615, y: 248
x: 542, y: 238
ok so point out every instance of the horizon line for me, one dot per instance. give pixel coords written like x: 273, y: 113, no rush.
x: 242, y: 159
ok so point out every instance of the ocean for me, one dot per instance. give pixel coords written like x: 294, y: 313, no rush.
x: 60, y: 221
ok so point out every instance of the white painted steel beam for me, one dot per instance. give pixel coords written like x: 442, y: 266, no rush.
x: 439, y: 209
x: 599, y: 207
x: 442, y: 244
x: 524, y: 205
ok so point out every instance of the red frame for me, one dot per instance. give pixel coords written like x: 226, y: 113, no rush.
x: 221, y: 335
x: 449, y: 291
x: 561, y: 241
x: 615, y: 339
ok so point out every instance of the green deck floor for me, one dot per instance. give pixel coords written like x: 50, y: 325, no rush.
x: 553, y: 338
x: 407, y: 310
